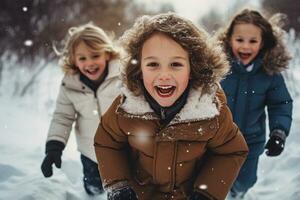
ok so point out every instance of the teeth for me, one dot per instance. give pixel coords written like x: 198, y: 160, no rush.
x: 92, y: 70
x: 165, y: 87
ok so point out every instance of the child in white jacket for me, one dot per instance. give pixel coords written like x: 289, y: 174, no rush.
x: 91, y: 83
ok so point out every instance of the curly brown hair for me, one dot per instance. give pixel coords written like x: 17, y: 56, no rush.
x: 208, y: 62
x: 93, y: 36
x: 275, y: 53
x: 247, y: 16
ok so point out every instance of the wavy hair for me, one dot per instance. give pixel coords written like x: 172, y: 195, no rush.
x: 208, y: 62
x: 274, y: 51
x: 93, y: 36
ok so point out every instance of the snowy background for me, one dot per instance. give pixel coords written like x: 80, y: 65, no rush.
x: 24, y: 122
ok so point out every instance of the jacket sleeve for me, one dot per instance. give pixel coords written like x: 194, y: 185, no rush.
x: 227, y: 151
x: 280, y: 105
x: 111, y: 147
x: 63, y: 118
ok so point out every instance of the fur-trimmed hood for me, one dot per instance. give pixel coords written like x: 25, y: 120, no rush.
x: 207, y: 60
x: 199, y: 106
x: 274, y: 61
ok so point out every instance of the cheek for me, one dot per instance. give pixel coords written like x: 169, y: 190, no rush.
x: 147, y: 79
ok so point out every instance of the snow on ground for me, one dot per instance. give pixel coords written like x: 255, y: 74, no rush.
x: 24, y: 124
x: 23, y: 133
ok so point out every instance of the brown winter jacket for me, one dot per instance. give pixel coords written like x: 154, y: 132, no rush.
x: 201, y: 149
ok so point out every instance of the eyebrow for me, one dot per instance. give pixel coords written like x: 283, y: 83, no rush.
x: 175, y: 57
x: 239, y: 36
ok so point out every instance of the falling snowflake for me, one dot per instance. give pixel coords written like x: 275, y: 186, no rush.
x: 200, y: 131
x: 134, y: 61
x: 203, y: 187
x: 119, y: 23
x: 95, y: 112
x: 28, y: 43
x: 25, y: 9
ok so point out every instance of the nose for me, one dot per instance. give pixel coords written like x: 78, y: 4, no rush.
x: 89, y: 62
x: 164, y: 75
x: 245, y: 45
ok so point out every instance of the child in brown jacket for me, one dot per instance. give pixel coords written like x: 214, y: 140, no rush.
x: 170, y: 135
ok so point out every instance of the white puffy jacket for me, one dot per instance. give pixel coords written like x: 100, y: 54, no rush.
x: 77, y: 102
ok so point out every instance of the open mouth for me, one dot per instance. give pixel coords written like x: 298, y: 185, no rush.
x: 92, y: 71
x: 244, y: 56
x: 165, y: 90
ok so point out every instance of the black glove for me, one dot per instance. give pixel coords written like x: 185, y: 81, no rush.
x: 125, y: 193
x: 275, y: 144
x: 53, y: 155
x: 197, y: 196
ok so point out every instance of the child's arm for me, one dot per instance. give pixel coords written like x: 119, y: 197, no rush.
x: 59, y: 131
x: 280, y: 105
x: 63, y: 118
x: 228, y: 151
x: 111, y: 150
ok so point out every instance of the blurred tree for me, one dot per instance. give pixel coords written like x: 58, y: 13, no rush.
x: 212, y: 21
x: 28, y: 28
x: 290, y: 7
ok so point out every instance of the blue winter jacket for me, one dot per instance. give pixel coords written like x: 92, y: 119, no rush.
x: 248, y: 94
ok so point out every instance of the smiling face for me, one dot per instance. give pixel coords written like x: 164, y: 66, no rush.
x: 90, y: 62
x: 165, y: 69
x: 246, y: 42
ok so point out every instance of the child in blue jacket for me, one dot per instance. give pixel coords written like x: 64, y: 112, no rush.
x: 255, y: 49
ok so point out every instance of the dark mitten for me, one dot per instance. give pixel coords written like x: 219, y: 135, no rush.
x: 197, y: 196
x: 275, y: 144
x: 53, y: 155
x: 125, y: 193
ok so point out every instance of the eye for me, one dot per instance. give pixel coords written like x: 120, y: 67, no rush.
x: 82, y: 58
x: 152, y: 64
x: 239, y: 40
x: 176, y: 64
x: 96, y: 56
x: 253, y: 41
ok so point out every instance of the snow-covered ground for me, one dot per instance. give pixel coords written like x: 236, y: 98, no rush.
x: 23, y: 128
x: 23, y: 132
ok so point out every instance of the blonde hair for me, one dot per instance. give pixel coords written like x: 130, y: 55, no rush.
x: 93, y: 36
x: 208, y: 62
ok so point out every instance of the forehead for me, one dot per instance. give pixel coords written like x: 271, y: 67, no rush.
x: 247, y: 30
x: 83, y: 47
x: 160, y: 44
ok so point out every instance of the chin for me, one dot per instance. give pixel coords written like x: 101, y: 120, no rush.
x: 165, y: 103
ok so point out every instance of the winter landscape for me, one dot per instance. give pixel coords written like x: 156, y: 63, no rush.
x: 25, y: 119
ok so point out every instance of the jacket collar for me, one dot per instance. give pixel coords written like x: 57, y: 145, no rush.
x: 199, y: 106
x: 239, y: 67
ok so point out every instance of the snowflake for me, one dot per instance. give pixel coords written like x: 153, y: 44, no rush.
x: 28, y: 43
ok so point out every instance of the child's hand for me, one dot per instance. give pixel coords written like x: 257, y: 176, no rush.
x: 124, y: 193
x: 53, y: 155
x: 197, y: 196
x: 275, y: 144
